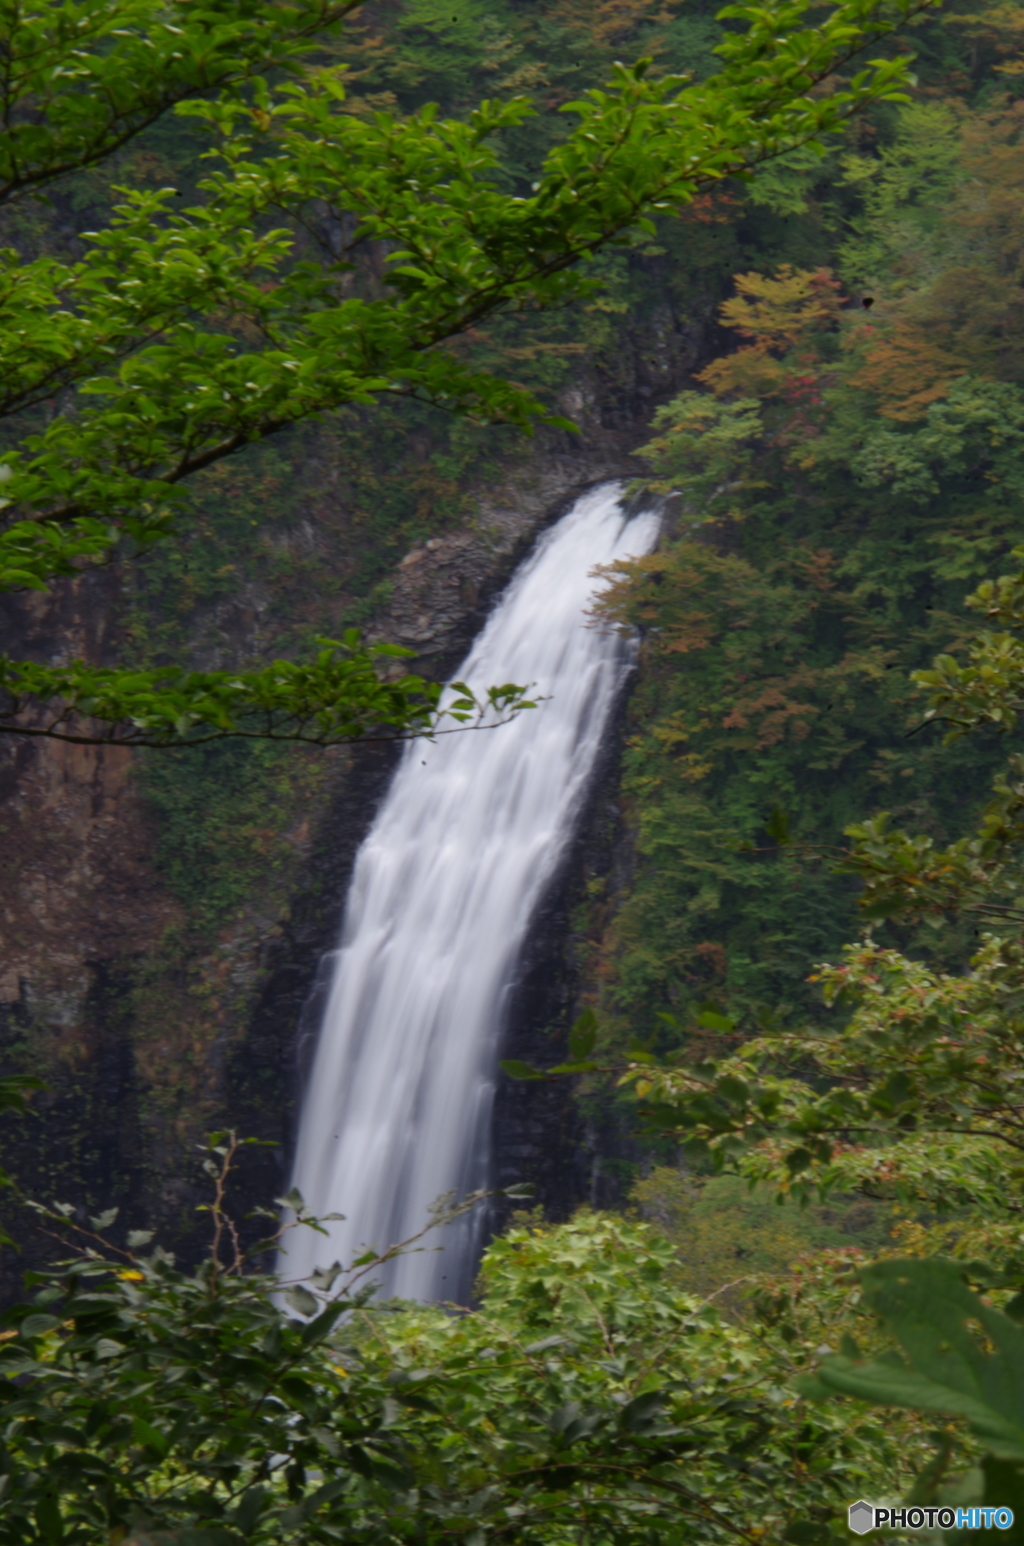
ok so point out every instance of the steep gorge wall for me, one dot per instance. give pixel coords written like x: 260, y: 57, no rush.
x: 150, y: 1029
x: 442, y: 595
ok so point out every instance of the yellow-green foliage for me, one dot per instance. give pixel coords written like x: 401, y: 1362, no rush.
x: 727, y: 1233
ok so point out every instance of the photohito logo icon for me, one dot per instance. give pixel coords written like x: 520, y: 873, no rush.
x: 862, y: 1517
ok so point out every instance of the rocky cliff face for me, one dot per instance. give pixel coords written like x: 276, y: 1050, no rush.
x: 74, y: 850
x: 150, y: 1031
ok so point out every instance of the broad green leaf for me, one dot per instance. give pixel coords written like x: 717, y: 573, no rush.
x: 713, y: 1021
x: 146, y: 1434
x: 38, y: 1325
x: 946, y: 1332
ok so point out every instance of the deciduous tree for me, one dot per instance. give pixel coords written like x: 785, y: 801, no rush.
x: 184, y: 334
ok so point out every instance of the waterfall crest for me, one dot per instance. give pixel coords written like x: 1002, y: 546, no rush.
x: 398, y: 1103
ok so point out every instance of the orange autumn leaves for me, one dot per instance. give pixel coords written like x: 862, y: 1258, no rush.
x: 777, y: 316
x: 965, y: 316
x: 784, y: 320
x: 951, y: 308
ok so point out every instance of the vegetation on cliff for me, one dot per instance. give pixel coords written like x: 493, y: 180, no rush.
x: 849, y: 470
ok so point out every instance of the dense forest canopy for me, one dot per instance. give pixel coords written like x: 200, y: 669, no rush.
x: 866, y: 412
x: 820, y: 737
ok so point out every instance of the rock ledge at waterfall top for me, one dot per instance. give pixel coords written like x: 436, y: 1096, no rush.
x: 438, y: 588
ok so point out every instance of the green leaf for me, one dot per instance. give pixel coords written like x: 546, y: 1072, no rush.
x: 943, y: 1328
x: 711, y: 1020
x: 301, y: 1300
x: 323, y: 1278
x: 316, y: 1330
x: 519, y: 1070
x: 543, y: 1345
x: 49, y: 1519
x: 583, y: 1036
x: 151, y: 1437
x: 643, y: 1410
x: 248, y: 1511
x: 38, y: 1325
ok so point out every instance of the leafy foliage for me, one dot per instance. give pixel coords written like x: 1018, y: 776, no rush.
x: 916, y: 1098
x: 825, y: 548
x: 778, y: 314
x: 962, y: 1359
x: 731, y: 1238
x: 338, y: 697
x: 185, y: 334
x: 918, y: 1093
x: 770, y: 711
x: 586, y: 1398
x: 84, y: 78
x: 933, y: 1315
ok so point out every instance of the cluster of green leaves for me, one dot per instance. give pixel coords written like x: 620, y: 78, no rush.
x: 730, y: 1237
x: 425, y: 52
x: 587, y: 1398
x: 84, y: 79
x: 185, y: 334
x: 959, y: 1357
x: 461, y: 250
x: 771, y: 711
x: 919, y: 1090
x: 931, y: 1310
x: 930, y: 1060
x: 338, y: 697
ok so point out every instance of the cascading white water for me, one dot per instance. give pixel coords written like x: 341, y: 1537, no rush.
x: 399, y: 1097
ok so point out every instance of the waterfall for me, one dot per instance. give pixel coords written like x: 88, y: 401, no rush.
x: 398, y: 1104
